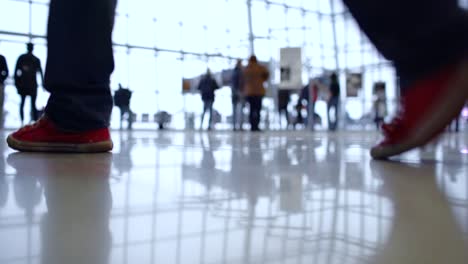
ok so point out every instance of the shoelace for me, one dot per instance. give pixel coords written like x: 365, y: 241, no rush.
x: 36, y: 124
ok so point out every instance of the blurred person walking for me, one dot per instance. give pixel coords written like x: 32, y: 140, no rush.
x: 3, y: 76
x: 284, y: 97
x: 379, y: 104
x: 309, y: 94
x: 255, y: 76
x: 122, y: 99
x: 237, y: 95
x: 333, y: 103
x: 207, y: 88
x: 26, y: 70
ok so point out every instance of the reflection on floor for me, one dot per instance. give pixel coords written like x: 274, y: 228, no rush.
x: 236, y: 198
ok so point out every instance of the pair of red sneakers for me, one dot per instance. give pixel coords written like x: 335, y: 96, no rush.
x: 428, y: 106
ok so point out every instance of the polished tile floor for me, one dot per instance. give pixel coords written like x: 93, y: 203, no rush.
x: 224, y: 197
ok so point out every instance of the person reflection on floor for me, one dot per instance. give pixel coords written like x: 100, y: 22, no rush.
x: 208, y: 162
x: 26, y: 70
x: 207, y: 88
x: 28, y: 193
x: 75, y: 229
x: 27, y: 189
x: 123, y: 160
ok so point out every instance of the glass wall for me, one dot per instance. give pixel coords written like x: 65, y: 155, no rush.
x: 157, y: 43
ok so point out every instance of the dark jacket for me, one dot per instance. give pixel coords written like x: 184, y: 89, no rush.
x: 284, y: 96
x: 26, y: 71
x: 3, y: 69
x: 207, y: 87
x: 335, y: 89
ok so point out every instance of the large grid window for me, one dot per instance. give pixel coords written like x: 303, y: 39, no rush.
x: 157, y: 43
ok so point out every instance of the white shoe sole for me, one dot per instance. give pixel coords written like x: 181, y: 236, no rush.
x: 103, y: 146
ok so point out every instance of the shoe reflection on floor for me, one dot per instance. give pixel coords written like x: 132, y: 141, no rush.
x: 75, y: 228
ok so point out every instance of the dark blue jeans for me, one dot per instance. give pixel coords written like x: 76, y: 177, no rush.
x: 79, y: 63
x: 419, y: 36
x: 255, y: 104
x: 207, y: 107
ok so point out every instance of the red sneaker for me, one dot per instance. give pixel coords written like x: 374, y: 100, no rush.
x: 44, y: 136
x: 427, y: 108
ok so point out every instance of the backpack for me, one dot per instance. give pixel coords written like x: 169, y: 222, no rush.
x: 122, y: 97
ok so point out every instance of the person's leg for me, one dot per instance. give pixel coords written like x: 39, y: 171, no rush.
x: 21, y: 110
x: 122, y: 114
x: 125, y: 111
x: 130, y: 118
x: 257, y: 102
x: 210, y: 110
x: 2, y: 101
x: 79, y: 64
x: 329, y: 107
x: 259, y: 110
x: 312, y: 113
x: 243, y: 102
x: 250, y: 101
x: 428, y: 44
x: 205, y: 108
x: 235, y: 104
x: 419, y: 36
x: 33, y: 107
x: 279, y: 118
x: 336, y: 104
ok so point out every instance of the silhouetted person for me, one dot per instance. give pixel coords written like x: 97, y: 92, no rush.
x: 3, y: 75
x: 122, y: 100
x: 333, y: 102
x: 207, y: 88
x: 237, y: 94
x: 26, y: 70
x: 255, y: 75
x: 3, y: 70
x: 310, y: 90
x: 283, y: 102
x: 380, y: 104
x: 302, y: 102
